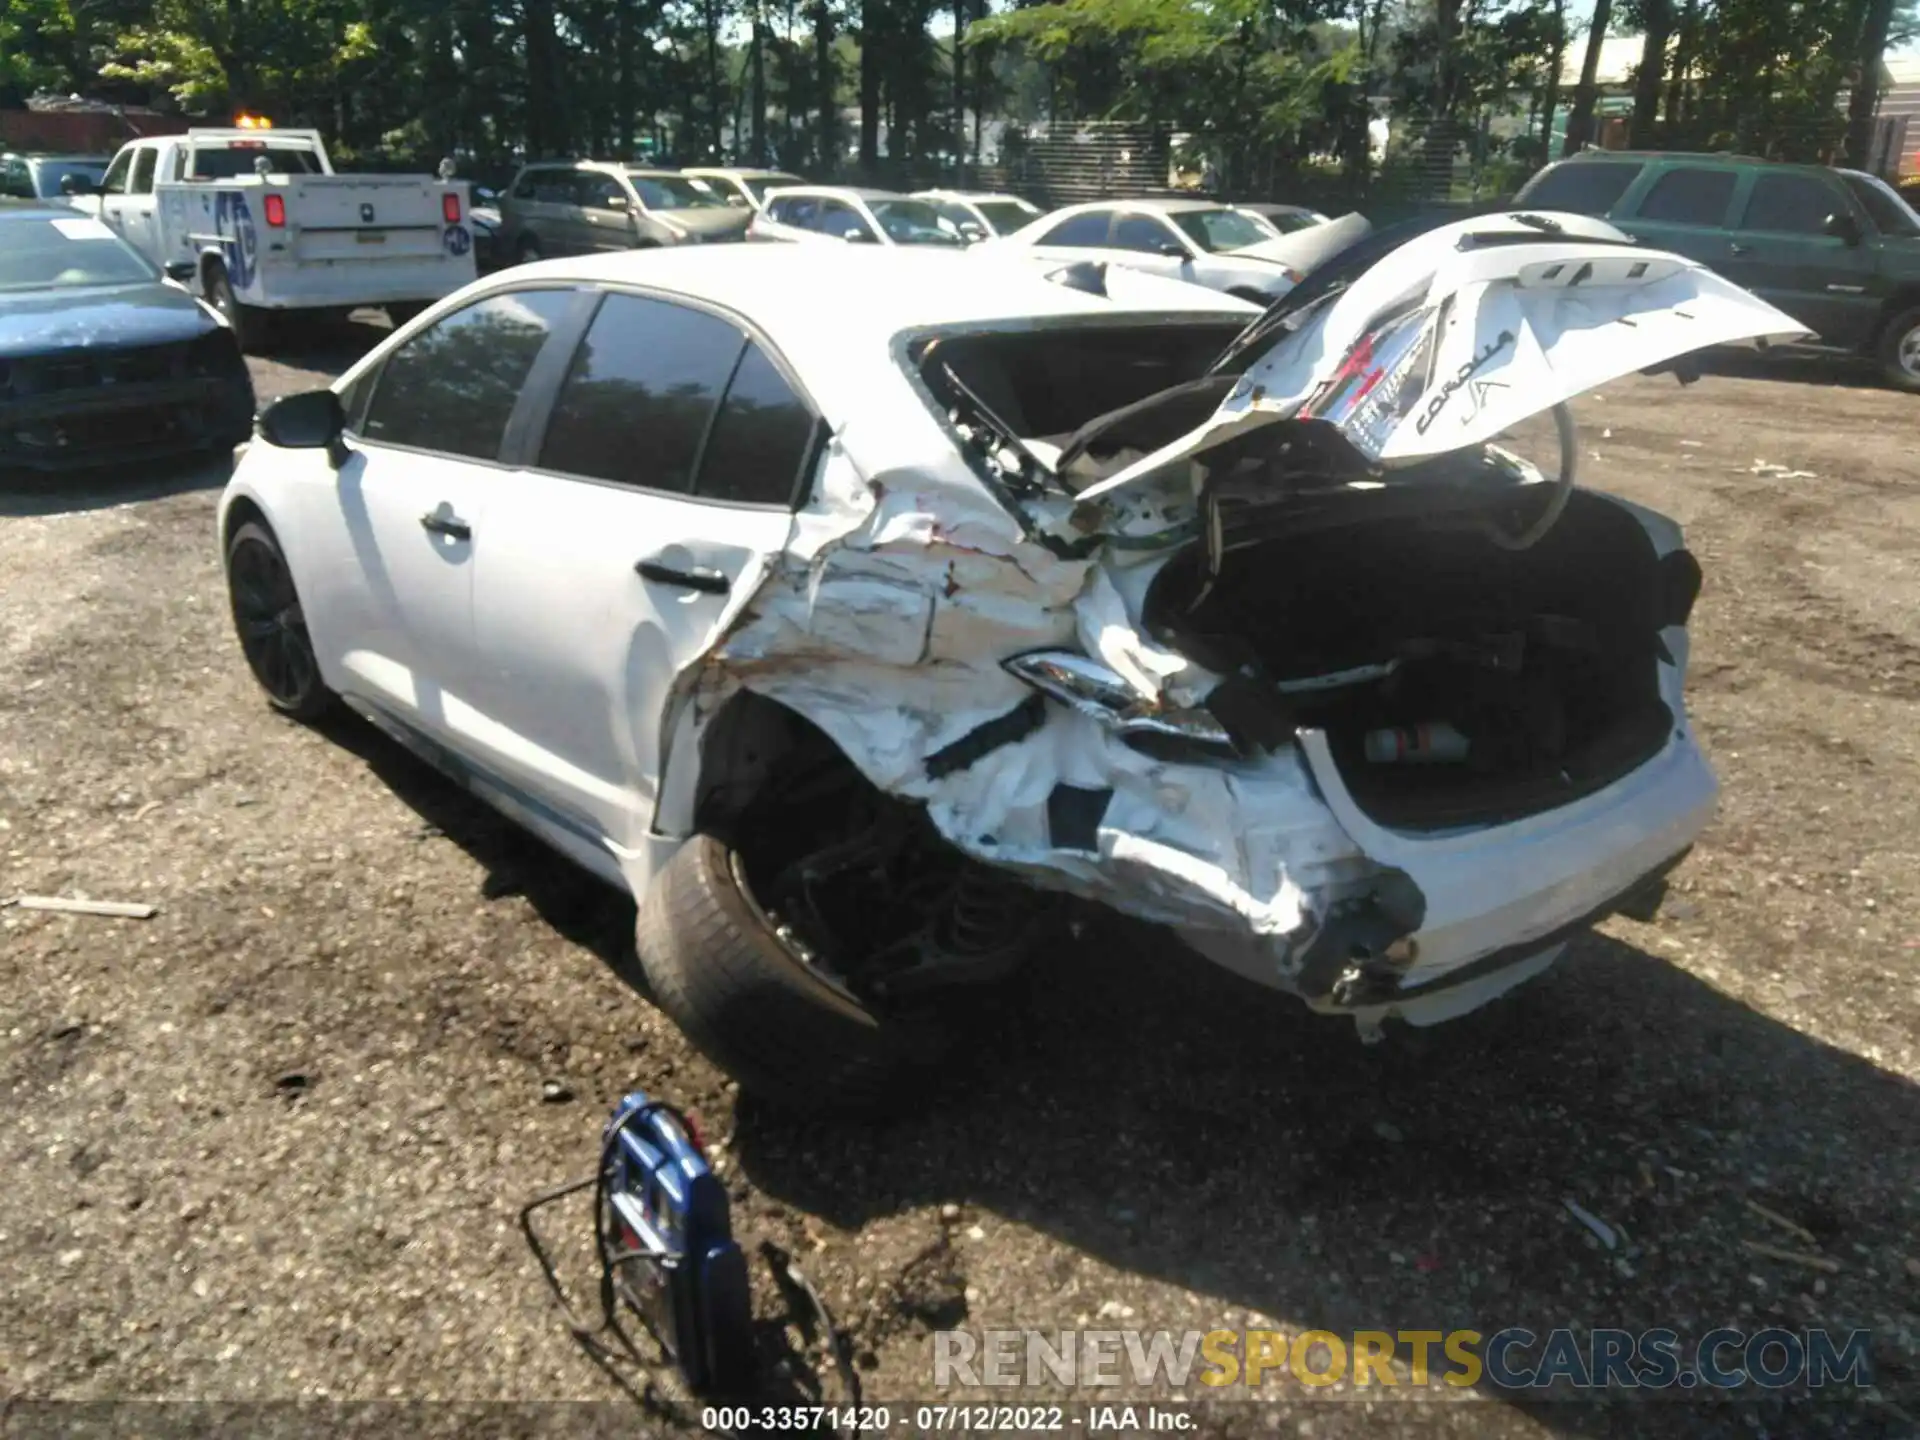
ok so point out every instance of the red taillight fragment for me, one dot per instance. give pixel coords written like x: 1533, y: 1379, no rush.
x: 276, y: 207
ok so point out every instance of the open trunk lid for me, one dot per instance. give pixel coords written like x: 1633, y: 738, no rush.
x: 1416, y: 350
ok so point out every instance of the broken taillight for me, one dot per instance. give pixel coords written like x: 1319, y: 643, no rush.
x: 276, y: 208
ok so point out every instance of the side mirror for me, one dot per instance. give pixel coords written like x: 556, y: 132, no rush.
x: 1843, y: 226
x: 858, y: 237
x: 310, y: 420
x: 1174, y: 250
x: 614, y: 201
x: 181, y: 270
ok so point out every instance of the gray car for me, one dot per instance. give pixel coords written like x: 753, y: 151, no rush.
x: 579, y: 207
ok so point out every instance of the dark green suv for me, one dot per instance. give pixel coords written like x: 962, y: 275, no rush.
x: 1836, y: 249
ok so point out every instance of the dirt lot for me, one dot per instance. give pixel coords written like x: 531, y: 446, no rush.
x: 271, y: 1144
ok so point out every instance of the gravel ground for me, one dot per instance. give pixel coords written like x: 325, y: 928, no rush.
x: 271, y: 1144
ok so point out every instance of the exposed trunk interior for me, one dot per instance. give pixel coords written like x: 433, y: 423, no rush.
x: 1544, y: 659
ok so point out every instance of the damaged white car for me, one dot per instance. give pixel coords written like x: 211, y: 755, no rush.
x: 845, y: 606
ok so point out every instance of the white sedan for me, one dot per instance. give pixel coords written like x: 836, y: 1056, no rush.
x: 838, y: 633
x: 1193, y: 240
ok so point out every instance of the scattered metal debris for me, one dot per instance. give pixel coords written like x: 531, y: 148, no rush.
x: 1602, y: 1231
x: 1792, y: 1257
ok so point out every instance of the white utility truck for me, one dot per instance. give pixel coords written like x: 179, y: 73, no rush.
x: 256, y: 221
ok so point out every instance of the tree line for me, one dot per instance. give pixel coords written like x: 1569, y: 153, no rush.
x: 851, y: 86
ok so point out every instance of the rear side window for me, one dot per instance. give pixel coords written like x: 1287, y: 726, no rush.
x: 760, y: 437
x: 1792, y: 204
x: 640, y: 393
x: 452, y: 387
x: 1582, y: 188
x: 1689, y: 197
x: 1088, y: 229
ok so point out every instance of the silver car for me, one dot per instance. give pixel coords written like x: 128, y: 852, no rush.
x: 582, y: 207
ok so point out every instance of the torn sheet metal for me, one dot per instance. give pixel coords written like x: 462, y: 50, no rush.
x: 906, y: 584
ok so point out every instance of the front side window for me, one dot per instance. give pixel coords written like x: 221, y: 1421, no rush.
x: 452, y: 387
x: 640, y: 392
x: 1006, y: 216
x: 595, y: 190
x: 1689, y: 196
x: 143, y: 164
x: 1791, y: 204
x: 760, y: 438
x: 914, y: 222
x: 840, y: 219
x: 116, y: 180
x: 1086, y: 230
x: 1142, y: 233
x: 1890, y: 214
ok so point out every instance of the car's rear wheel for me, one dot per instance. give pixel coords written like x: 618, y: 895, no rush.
x: 271, y: 625
x: 1900, y: 350
x: 249, y: 324
x: 833, y: 954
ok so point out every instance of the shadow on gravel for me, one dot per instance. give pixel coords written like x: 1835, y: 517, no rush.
x: 578, y: 906
x: 1798, y: 367
x: 75, y: 491
x: 1176, y: 1122
x: 1164, y: 1117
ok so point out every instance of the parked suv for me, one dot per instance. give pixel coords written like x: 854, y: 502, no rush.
x: 579, y: 207
x: 1838, y: 250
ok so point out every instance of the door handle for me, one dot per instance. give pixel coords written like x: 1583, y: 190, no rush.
x: 1736, y: 248
x: 450, y: 525
x: 709, y: 582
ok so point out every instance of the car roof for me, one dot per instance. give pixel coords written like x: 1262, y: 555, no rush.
x: 1169, y: 205
x: 745, y: 172
x: 970, y: 195
x: 1679, y: 157
x: 857, y: 192
x: 23, y: 209
x: 1273, y: 207
x: 51, y: 155
x: 798, y: 295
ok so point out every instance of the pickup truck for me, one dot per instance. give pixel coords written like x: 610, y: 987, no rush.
x: 256, y: 222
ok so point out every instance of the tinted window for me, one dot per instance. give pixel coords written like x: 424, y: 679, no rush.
x: 1088, y: 229
x: 1891, y: 215
x: 838, y: 218
x: 794, y: 210
x: 117, y: 172
x: 1797, y: 204
x: 16, y: 179
x: 1583, y: 188
x: 914, y: 222
x: 1141, y: 232
x: 1006, y: 216
x: 595, y: 191
x: 640, y: 392
x: 143, y: 164
x: 452, y: 387
x: 1689, y: 197
x: 759, y: 438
